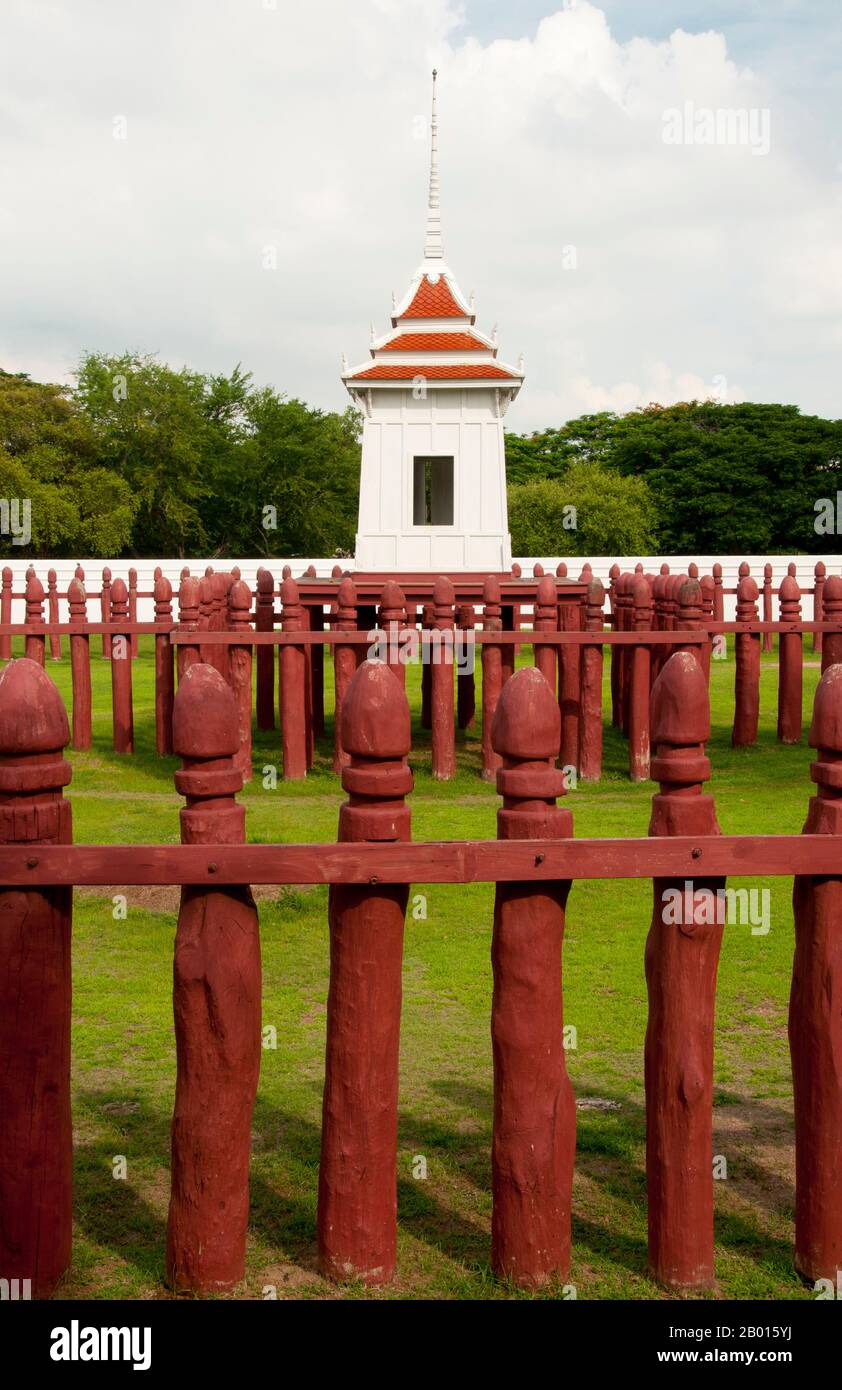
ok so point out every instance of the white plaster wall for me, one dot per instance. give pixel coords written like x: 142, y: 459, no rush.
x: 805, y: 566
x: 460, y: 423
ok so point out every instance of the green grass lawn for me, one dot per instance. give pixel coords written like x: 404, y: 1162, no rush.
x: 124, y: 1056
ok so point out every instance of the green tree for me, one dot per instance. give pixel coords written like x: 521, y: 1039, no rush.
x: 48, y: 458
x: 591, y: 511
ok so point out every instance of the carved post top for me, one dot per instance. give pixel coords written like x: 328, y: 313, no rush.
x: 537, y: 570
x: 188, y: 602
x: 336, y: 572
x: 789, y: 597
x: 820, y: 569
x: 546, y: 601
x: 156, y: 574
x: 392, y: 603
x: 642, y: 603
x: 106, y: 577
x: 375, y: 732
x: 690, y: 604
x: 594, y: 606
x: 51, y: 579
x: 680, y: 723
x: 747, y: 596
x: 767, y: 573
x: 34, y: 599
x: 239, y: 605
x: 79, y: 574
x: 833, y: 597
x: 561, y: 569
x: 717, y: 573
x: 825, y: 736
x: 692, y: 570
x: 525, y: 733
x: 491, y: 600
x: 163, y: 599
x: 119, y: 600
x: 77, y: 601
x: 744, y: 569
x: 292, y: 612
x: 286, y: 572
x: 33, y: 734
x: 444, y: 597
x: 7, y: 577
x: 206, y: 737
x: 346, y: 603
x: 516, y: 570
x: 265, y: 587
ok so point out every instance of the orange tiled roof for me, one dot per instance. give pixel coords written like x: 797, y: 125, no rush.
x: 435, y: 371
x: 434, y: 342
x: 433, y: 301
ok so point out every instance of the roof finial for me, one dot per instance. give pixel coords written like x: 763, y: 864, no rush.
x: 432, y: 242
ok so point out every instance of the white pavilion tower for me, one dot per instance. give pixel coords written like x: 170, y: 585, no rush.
x: 433, y: 397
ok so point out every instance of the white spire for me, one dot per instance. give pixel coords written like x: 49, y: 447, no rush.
x: 432, y: 242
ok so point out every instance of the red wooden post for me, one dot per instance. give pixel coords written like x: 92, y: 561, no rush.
x: 492, y: 672
x: 639, y: 683
x: 427, y: 611
x: 264, y: 622
x: 747, y: 668
x: 832, y: 613
x: 441, y: 691
x: 718, y: 594
x: 815, y: 1011
x: 35, y: 643
x: 239, y: 672
x: 6, y: 613
x: 121, y: 670
x: 344, y: 664
x: 546, y: 620
x: 204, y: 621
x: 188, y: 621
x: 613, y: 577
x: 357, y: 1210
x: 790, y: 655
x: 466, y: 700
x: 534, y: 1109
x: 292, y: 682
x: 682, y: 953
x: 767, y: 605
x: 689, y: 616
x: 36, y: 1137
x: 391, y: 620
x: 133, y: 610
x: 219, y: 621
x: 625, y: 609
x: 309, y: 739
x: 570, y: 682
x: 590, y: 726
x: 818, y: 605
x: 52, y: 609
x: 317, y: 660
x: 707, y: 583
x: 105, y: 610
x: 216, y: 1005
x: 164, y: 673
x: 80, y: 665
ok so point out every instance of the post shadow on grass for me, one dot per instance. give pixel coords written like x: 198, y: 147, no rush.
x: 111, y: 1211
x: 290, y: 1221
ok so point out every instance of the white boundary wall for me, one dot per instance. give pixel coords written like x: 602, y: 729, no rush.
x: 805, y: 568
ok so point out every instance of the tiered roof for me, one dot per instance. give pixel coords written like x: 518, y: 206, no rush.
x: 433, y: 325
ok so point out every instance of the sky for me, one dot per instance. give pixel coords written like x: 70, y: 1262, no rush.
x: 224, y: 181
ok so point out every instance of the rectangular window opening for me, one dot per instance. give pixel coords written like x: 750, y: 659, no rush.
x: 432, y: 491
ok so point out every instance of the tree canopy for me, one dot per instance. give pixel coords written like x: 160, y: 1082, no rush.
x: 142, y: 459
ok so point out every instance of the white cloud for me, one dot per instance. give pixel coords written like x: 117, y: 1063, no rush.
x: 297, y: 128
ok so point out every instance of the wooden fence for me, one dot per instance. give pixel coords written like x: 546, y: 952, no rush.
x: 221, y: 622
x: 216, y: 993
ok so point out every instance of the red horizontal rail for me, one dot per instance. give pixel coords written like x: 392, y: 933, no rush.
x: 468, y: 861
